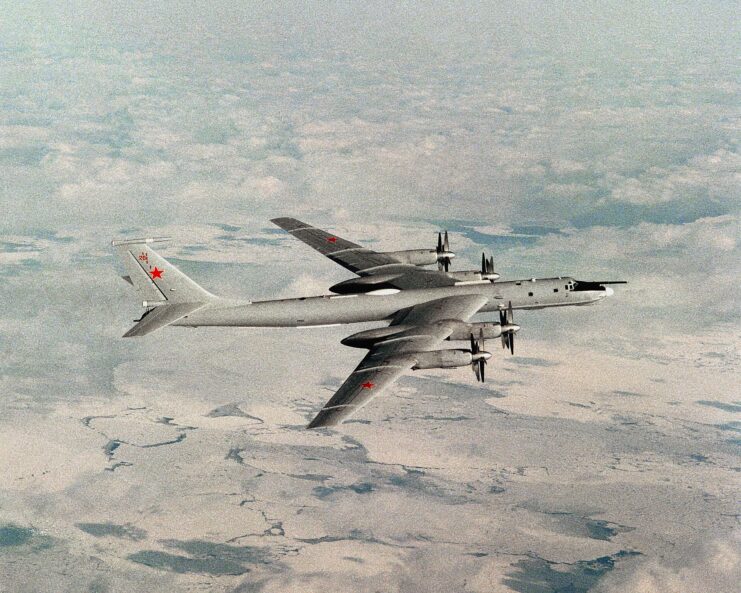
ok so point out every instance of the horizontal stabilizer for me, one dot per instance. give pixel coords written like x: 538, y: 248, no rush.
x: 160, y: 317
x: 127, y: 279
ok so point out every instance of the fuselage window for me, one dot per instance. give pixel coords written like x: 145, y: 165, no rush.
x: 529, y: 294
x: 555, y: 290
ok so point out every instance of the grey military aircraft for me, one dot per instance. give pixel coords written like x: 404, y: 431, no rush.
x: 423, y: 308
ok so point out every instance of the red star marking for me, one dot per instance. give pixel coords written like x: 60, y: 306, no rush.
x: 367, y: 385
x: 157, y: 273
x: 332, y: 240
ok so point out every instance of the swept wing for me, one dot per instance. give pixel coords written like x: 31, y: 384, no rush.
x: 427, y: 325
x: 361, y: 260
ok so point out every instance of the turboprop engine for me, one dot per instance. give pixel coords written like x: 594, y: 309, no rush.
x: 415, y: 257
x: 441, y: 255
x: 444, y: 359
x: 486, y: 329
x: 486, y: 272
x: 447, y: 359
x: 460, y: 331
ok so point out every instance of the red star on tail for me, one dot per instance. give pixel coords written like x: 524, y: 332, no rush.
x: 157, y: 273
x: 332, y: 240
x: 367, y: 385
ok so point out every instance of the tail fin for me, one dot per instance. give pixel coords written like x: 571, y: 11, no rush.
x: 160, y: 285
x: 155, y: 279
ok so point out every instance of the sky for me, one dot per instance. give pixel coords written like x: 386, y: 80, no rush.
x: 592, y: 139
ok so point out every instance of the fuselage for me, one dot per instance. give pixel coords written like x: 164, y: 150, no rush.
x: 535, y: 293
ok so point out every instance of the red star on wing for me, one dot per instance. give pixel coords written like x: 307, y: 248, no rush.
x: 332, y: 240
x: 367, y: 385
x: 157, y: 273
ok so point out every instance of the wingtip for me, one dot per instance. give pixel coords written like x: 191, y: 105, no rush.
x: 314, y: 424
x: 288, y: 223
x: 323, y: 420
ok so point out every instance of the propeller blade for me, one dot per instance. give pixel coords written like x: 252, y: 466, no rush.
x: 482, y: 366
x: 490, y: 266
x: 483, y: 263
x: 481, y: 343
x: 446, y: 264
x: 446, y: 245
x: 474, y: 349
x: 502, y: 322
x: 510, y: 314
x: 512, y: 343
x: 439, y: 242
x: 476, y: 370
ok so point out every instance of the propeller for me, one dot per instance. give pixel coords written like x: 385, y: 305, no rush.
x: 444, y: 255
x: 487, y: 265
x: 509, y: 329
x: 479, y: 356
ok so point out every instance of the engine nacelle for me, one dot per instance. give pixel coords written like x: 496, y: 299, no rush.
x: 415, y: 257
x: 463, y: 331
x: 443, y: 359
x: 367, y: 338
x: 473, y: 276
x: 363, y: 284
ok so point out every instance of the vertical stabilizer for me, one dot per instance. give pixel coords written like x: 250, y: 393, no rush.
x: 155, y: 279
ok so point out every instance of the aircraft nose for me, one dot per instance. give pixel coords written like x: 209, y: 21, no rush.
x: 609, y: 291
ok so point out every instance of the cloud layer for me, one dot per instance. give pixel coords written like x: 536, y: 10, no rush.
x: 593, y: 140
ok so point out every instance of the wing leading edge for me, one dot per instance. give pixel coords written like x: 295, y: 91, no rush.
x: 346, y: 253
x: 426, y: 326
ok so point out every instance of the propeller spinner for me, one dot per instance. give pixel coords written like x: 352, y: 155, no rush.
x: 509, y: 328
x: 444, y: 255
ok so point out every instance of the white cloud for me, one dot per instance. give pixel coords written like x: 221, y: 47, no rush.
x: 714, y: 176
x: 381, y: 123
x: 715, y: 566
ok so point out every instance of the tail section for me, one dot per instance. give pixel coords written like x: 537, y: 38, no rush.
x: 154, y: 278
x: 159, y: 284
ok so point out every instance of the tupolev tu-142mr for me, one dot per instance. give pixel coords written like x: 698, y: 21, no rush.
x: 423, y: 308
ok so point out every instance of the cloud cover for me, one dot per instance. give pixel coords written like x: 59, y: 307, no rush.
x: 598, y: 140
